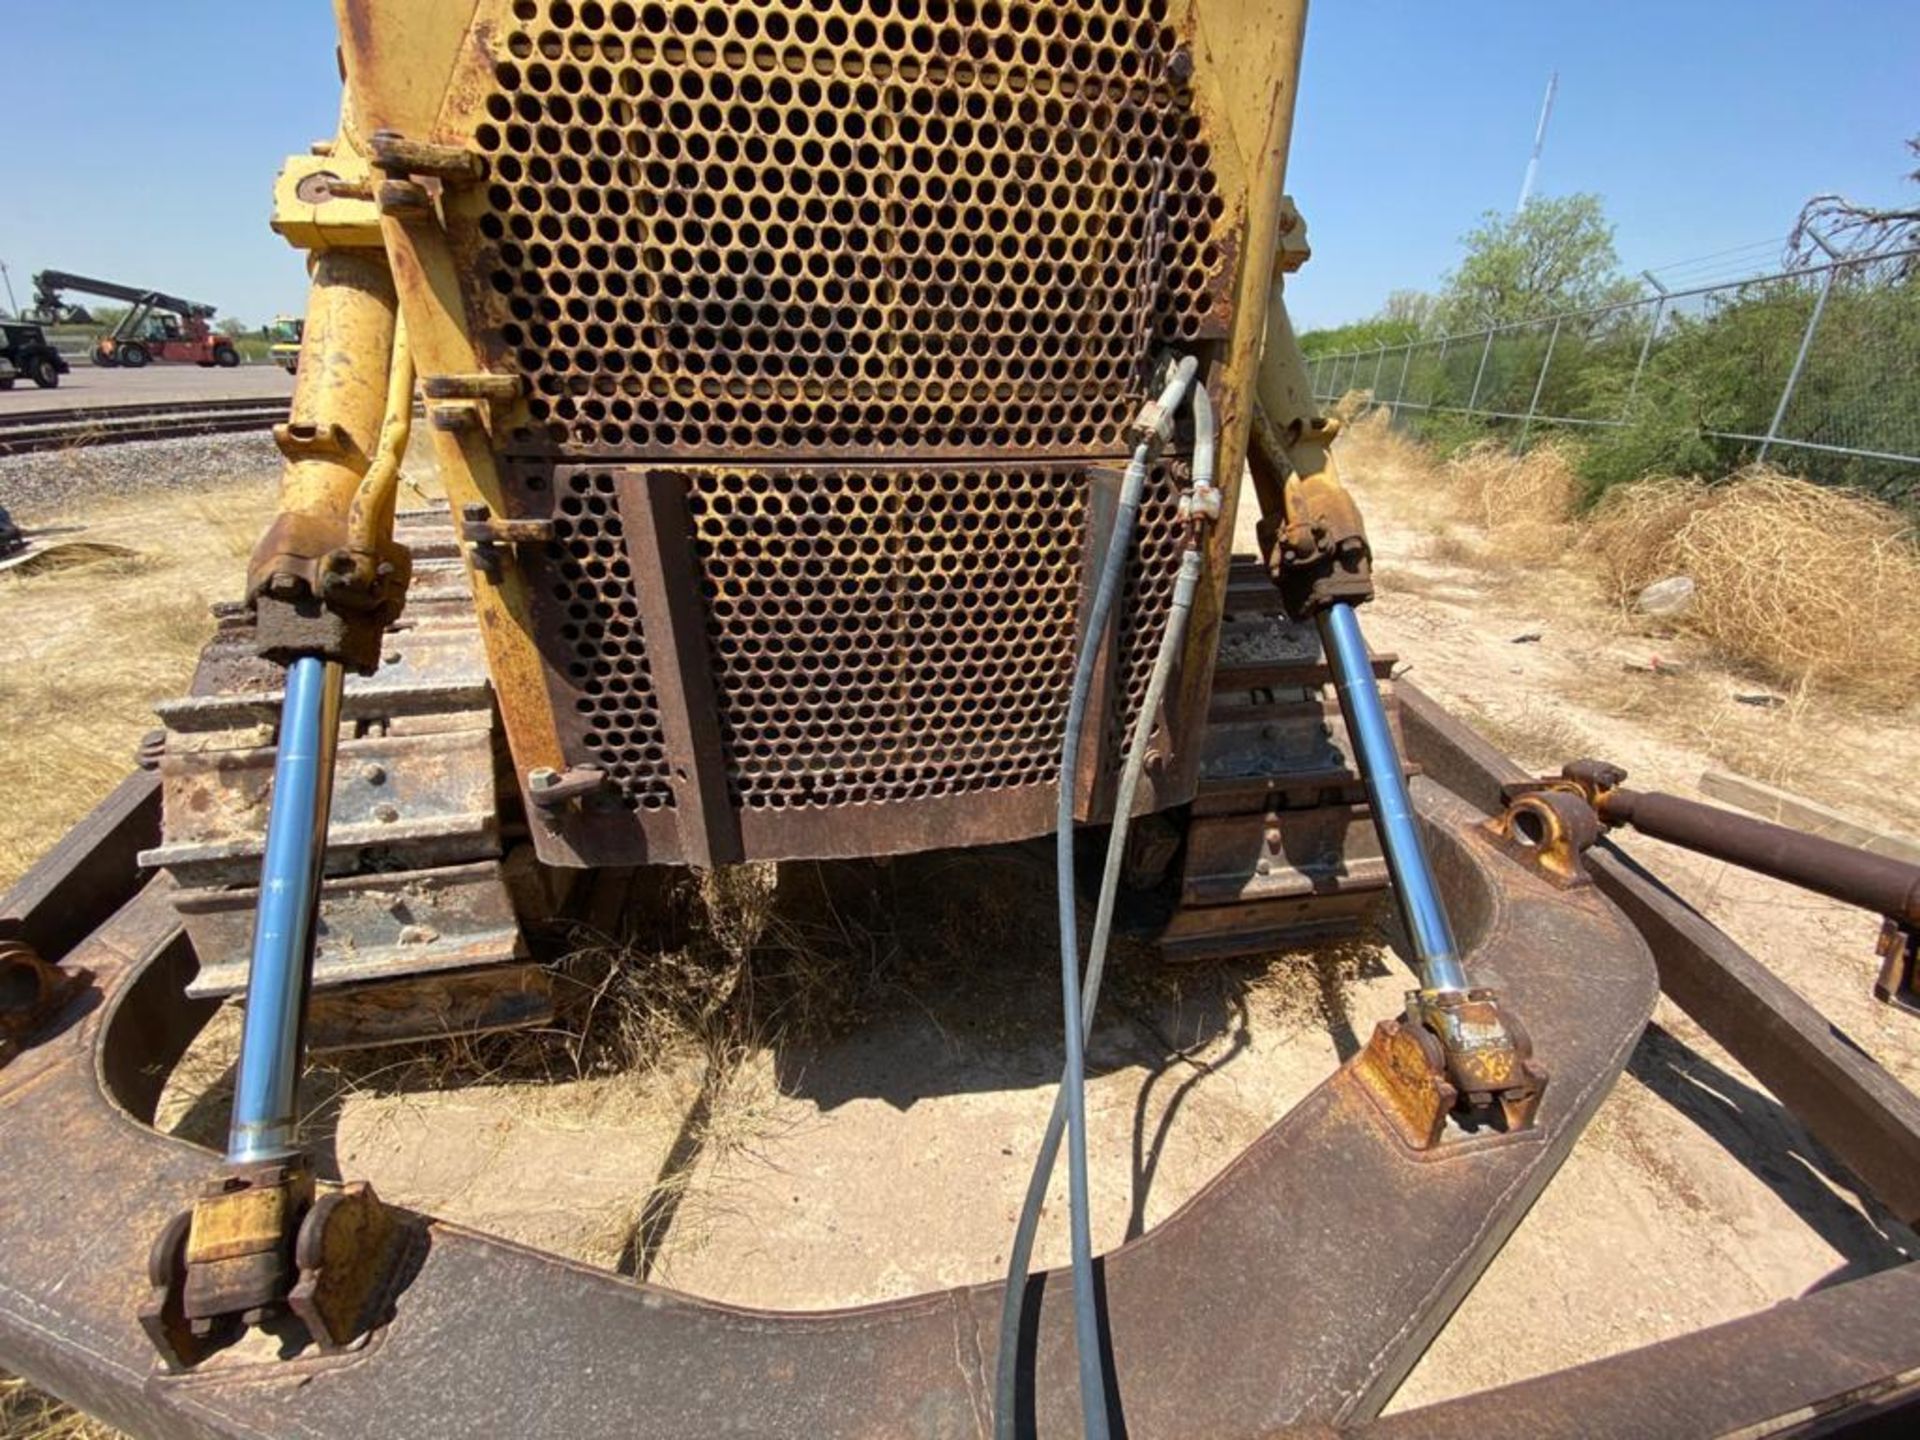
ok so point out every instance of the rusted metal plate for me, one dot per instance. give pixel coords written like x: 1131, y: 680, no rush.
x: 440, y: 1005
x: 993, y: 226
x: 1281, y: 855
x: 1855, y: 1108
x: 1842, y: 1357
x: 888, y: 652
x: 88, y: 873
x: 370, y: 927
x: 1257, y: 1266
x: 431, y: 663
x: 655, y: 514
x: 429, y: 797
x: 1280, y: 844
x: 1258, y: 927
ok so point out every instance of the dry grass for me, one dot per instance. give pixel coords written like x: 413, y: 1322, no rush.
x: 1807, y: 586
x: 92, y: 636
x: 30, y: 1414
x: 1521, y: 506
x: 1539, y: 734
x: 92, y: 640
x: 702, y: 972
x: 1525, y: 503
x: 1811, y: 586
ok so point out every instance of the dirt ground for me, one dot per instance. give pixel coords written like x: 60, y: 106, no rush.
x: 891, y: 1158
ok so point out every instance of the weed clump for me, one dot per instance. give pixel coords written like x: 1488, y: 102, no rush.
x: 1811, y: 585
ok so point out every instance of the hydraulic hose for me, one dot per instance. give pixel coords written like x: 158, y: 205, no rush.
x: 1079, y: 998
x: 370, y: 516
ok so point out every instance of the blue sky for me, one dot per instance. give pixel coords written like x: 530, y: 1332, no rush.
x: 1703, y: 126
x: 157, y: 128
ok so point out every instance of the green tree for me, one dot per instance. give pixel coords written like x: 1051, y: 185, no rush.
x: 1556, y: 254
x: 232, y: 326
x: 1408, y: 315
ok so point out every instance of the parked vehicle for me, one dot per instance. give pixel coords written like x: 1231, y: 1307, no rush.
x: 283, y: 341
x: 27, y: 354
x: 158, y: 327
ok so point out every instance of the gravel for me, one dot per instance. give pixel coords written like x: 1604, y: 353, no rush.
x: 61, y: 482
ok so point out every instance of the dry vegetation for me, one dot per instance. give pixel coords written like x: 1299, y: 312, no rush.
x: 95, y: 633
x: 1807, y: 587
x: 30, y: 1414
x: 1815, y: 587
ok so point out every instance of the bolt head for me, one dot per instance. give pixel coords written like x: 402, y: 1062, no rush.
x: 542, y: 777
x: 385, y: 814
x: 373, y: 774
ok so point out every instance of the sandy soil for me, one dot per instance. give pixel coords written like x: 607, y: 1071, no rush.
x: 891, y: 1159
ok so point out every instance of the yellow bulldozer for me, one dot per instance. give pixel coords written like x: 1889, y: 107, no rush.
x: 842, y: 407
x: 282, y: 335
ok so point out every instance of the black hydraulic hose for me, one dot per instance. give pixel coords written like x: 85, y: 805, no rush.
x: 1079, y: 998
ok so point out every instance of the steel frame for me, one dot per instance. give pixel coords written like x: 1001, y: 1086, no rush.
x: 1247, y: 1313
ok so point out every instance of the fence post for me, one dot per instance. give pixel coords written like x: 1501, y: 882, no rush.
x: 1480, y: 374
x: 1806, y: 344
x: 1538, y: 385
x: 1400, y: 390
x: 1646, y: 345
x: 1374, y: 389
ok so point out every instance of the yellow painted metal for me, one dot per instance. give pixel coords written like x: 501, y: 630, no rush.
x: 428, y: 280
x: 248, y: 1220
x: 1246, y: 83
x: 370, y: 517
x: 339, y: 406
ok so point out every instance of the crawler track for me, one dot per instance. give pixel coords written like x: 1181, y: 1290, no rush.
x: 30, y: 431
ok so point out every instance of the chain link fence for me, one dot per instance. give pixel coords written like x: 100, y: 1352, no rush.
x: 1816, y: 368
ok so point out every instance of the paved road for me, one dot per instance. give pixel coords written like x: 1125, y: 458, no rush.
x: 92, y: 385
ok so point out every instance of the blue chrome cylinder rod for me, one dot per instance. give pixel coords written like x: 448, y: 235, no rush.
x: 268, y: 1076
x: 1414, y: 890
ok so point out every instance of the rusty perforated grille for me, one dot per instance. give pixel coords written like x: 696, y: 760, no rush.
x: 889, y: 634
x: 605, y: 650
x: 783, y: 227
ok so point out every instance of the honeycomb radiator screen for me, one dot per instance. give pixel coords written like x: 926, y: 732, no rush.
x: 786, y: 229
x: 882, y: 281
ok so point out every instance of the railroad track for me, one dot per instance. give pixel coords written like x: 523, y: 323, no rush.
x: 33, y: 430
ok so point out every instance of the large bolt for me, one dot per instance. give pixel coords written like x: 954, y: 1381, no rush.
x: 542, y: 777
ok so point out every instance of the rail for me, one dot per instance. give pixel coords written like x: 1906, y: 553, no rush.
x: 27, y: 432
